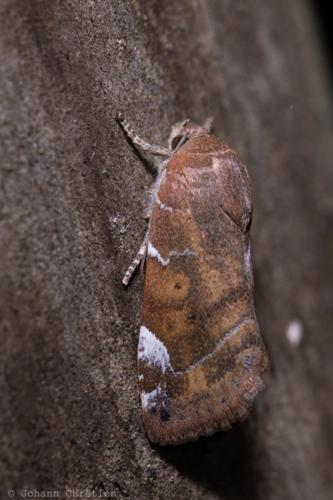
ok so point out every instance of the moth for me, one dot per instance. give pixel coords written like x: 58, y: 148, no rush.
x: 200, y: 356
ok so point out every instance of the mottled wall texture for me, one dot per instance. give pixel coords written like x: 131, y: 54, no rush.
x: 72, y: 195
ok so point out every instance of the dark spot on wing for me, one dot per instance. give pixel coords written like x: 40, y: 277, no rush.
x: 152, y: 410
x: 164, y: 415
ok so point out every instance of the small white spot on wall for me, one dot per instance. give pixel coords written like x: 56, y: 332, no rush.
x: 294, y: 332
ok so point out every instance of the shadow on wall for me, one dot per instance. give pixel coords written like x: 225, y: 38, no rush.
x: 223, y: 463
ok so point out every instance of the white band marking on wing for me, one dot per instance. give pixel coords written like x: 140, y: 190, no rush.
x: 153, y: 351
x: 153, y: 252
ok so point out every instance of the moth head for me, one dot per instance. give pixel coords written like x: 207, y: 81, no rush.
x: 185, y: 129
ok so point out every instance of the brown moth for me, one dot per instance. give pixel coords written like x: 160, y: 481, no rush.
x: 200, y: 356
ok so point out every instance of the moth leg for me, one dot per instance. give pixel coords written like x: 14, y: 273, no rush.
x: 135, y: 139
x: 160, y: 168
x: 153, y: 192
x: 140, y: 257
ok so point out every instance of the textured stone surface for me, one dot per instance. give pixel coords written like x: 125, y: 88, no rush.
x: 72, y: 196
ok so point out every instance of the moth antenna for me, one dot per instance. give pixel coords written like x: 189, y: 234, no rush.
x: 180, y: 143
x: 141, y: 143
